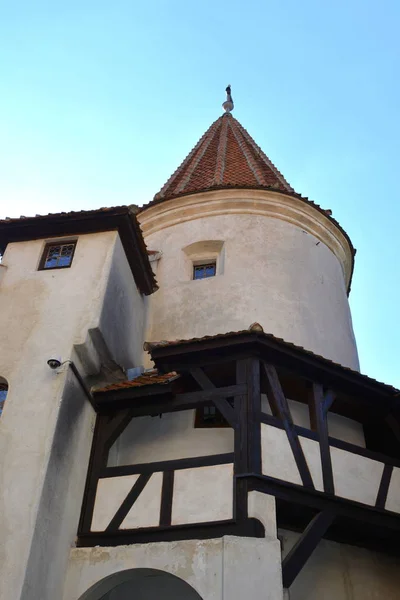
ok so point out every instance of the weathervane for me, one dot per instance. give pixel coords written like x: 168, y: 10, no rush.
x: 228, y: 104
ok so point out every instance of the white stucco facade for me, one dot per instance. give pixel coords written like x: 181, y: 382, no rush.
x: 47, y: 424
x: 280, y: 262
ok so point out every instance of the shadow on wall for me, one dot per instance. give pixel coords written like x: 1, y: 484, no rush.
x: 141, y: 584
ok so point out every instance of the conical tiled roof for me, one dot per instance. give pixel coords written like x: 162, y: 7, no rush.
x: 225, y: 157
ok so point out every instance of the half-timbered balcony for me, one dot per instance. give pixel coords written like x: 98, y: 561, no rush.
x: 321, y: 439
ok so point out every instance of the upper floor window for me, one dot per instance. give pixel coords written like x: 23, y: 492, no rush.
x: 3, y: 393
x: 57, y: 256
x: 204, y: 270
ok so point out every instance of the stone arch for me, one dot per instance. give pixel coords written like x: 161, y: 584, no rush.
x: 141, y: 584
x: 3, y: 392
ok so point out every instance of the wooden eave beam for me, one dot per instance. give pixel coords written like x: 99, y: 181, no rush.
x: 157, y: 404
x: 364, y: 391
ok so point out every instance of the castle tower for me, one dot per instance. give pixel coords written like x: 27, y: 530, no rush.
x: 237, y: 245
x: 253, y: 459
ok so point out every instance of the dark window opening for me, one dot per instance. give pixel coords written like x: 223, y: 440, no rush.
x: 209, y: 416
x: 57, y: 256
x: 204, y: 270
x: 3, y: 394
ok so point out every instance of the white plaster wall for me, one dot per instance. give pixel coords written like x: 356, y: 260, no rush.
x: 342, y: 572
x: 275, y: 273
x: 278, y: 460
x: 339, y: 427
x: 356, y: 477
x: 203, y: 494
x: 277, y: 456
x: 112, y: 491
x: 229, y: 568
x: 45, y: 432
x: 346, y: 429
x: 123, y: 318
x: 393, y: 497
x: 171, y: 437
x: 42, y: 314
x: 61, y: 497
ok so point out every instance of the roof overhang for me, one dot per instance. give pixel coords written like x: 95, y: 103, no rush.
x: 181, y: 354
x: 121, y: 219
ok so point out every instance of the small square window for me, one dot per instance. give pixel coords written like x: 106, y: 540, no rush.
x: 57, y: 256
x: 204, y: 270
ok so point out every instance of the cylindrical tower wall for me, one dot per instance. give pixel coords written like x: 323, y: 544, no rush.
x: 280, y: 262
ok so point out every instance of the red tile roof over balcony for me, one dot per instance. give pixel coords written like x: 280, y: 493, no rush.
x: 226, y: 156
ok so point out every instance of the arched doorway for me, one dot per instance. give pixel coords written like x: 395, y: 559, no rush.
x: 141, y: 584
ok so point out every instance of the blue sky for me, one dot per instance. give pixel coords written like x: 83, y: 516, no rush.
x: 102, y: 100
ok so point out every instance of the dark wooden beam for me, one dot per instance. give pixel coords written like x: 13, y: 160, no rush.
x: 334, y: 442
x: 115, y: 428
x: 254, y: 414
x: 168, y: 465
x: 305, y: 546
x: 142, y: 406
x: 197, y: 531
x: 129, y: 501
x: 97, y: 461
x: 384, y: 486
x: 221, y: 403
x: 319, y: 501
x: 166, y: 498
x: 319, y: 408
x: 278, y: 400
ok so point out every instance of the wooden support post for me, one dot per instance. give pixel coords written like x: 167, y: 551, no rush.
x: 248, y: 430
x: 280, y: 408
x: 107, y: 430
x: 305, y: 546
x: 320, y: 405
x: 253, y: 415
x: 384, y: 486
x: 129, y: 501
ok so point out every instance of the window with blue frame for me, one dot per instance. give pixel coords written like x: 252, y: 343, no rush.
x: 202, y: 271
x: 58, y: 256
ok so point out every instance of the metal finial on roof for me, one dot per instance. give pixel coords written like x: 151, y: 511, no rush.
x: 228, y: 104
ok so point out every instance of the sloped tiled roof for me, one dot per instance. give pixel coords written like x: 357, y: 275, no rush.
x: 152, y: 378
x: 226, y: 156
x: 257, y: 330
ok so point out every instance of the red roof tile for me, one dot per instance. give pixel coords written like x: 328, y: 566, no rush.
x: 226, y: 156
x: 146, y: 379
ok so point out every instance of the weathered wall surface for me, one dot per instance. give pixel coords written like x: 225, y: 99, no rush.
x: 43, y: 314
x: 277, y: 270
x: 169, y: 437
x: 61, y: 498
x: 341, y: 572
x: 123, y: 318
x: 213, y: 568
